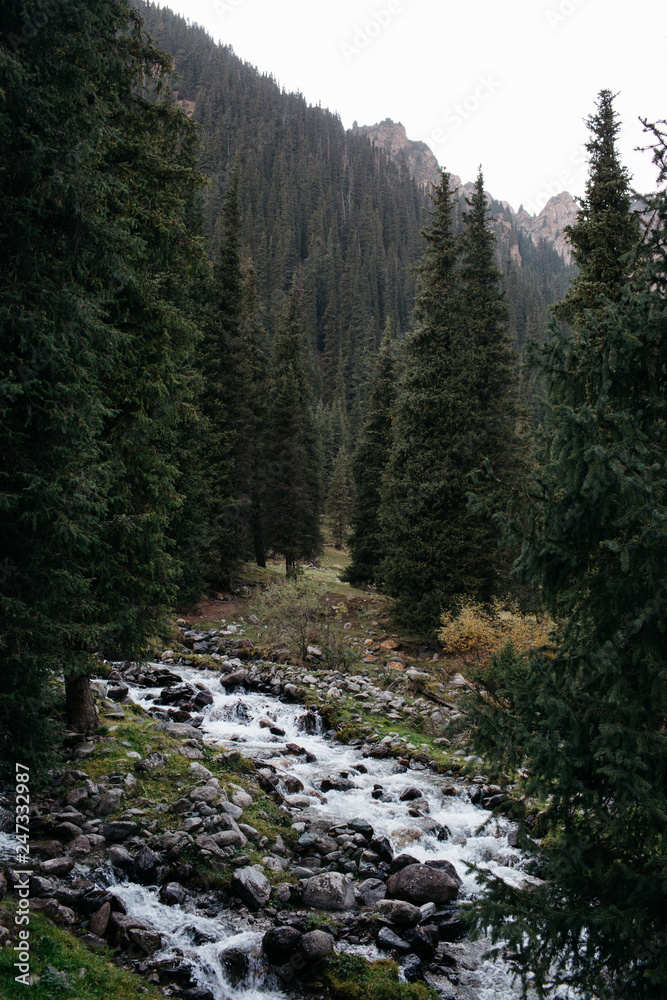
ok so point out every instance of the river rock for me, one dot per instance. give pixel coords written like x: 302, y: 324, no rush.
x: 371, y: 890
x: 446, y: 866
x: 119, y: 829
x: 399, y: 912
x: 280, y: 942
x: 57, y: 866
x: 402, y: 861
x: 337, y: 785
x: 146, y: 866
x: 41, y: 887
x: 234, y: 679
x: 100, y: 919
x: 118, y: 692
x: 409, y: 794
x: 423, y: 942
x: 110, y: 801
x: 172, y: 894
x: 207, y: 793
x: 329, y: 891
x: 316, y: 945
x: 81, y: 846
x: 76, y: 797
x: 422, y: 884
x: 146, y: 940
x: 153, y: 762
x: 252, y: 886
x: 67, y: 831
x: 119, y: 856
x: 361, y: 826
x: 387, y: 939
x: 413, y: 970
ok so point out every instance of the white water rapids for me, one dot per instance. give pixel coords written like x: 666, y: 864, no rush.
x: 232, y: 721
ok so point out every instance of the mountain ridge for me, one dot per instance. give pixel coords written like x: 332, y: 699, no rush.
x: 420, y: 161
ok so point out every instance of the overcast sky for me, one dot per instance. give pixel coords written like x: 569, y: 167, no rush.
x: 505, y: 84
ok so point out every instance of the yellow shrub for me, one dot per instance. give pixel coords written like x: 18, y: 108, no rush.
x: 474, y: 630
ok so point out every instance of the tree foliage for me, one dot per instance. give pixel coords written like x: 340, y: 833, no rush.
x: 456, y: 418
x: 587, y: 724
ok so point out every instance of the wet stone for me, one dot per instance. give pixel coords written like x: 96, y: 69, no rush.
x: 280, y: 942
x: 387, y: 939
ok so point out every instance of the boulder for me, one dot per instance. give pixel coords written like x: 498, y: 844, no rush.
x: 361, y: 826
x: 100, y: 919
x: 146, y: 940
x: 146, y: 866
x: 172, y: 894
x: 409, y: 794
x: 110, y: 801
x: 57, y: 866
x: 316, y: 945
x: 67, y: 831
x: 329, y: 891
x: 399, y: 912
x: 252, y: 886
x: 153, y: 762
x: 422, y: 884
x: 119, y: 857
x: 402, y: 861
x: 446, y: 866
x: 234, y: 679
x: 280, y: 942
x: 371, y: 890
x: 119, y: 829
x: 387, y: 939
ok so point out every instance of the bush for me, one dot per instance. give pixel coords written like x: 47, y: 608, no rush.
x: 474, y: 631
x: 290, y: 610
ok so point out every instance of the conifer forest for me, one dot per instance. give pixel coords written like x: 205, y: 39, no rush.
x: 333, y: 546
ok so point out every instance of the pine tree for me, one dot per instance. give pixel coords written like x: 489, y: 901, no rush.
x: 587, y: 724
x: 605, y: 230
x: 366, y: 543
x: 339, y: 498
x: 95, y: 351
x: 222, y: 376
x: 455, y: 419
x: 493, y: 443
x: 293, y: 494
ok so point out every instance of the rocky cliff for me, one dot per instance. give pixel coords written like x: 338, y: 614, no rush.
x: 559, y: 212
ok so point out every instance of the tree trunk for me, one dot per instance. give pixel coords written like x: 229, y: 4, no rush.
x: 79, y: 706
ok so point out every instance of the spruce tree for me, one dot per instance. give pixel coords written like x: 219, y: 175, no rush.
x: 339, y: 498
x: 455, y: 419
x: 366, y: 543
x: 493, y: 443
x: 293, y: 494
x: 97, y: 186
x: 587, y: 723
x: 605, y: 230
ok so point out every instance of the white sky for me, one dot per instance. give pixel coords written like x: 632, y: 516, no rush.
x: 505, y: 84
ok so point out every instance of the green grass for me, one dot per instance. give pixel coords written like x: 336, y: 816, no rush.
x: 350, y: 977
x: 88, y: 975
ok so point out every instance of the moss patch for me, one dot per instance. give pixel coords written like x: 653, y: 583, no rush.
x: 350, y: 977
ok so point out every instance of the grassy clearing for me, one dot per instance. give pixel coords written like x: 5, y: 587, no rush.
x: 63, y: 967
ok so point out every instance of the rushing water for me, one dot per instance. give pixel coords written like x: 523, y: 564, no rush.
x: 233, y: 721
